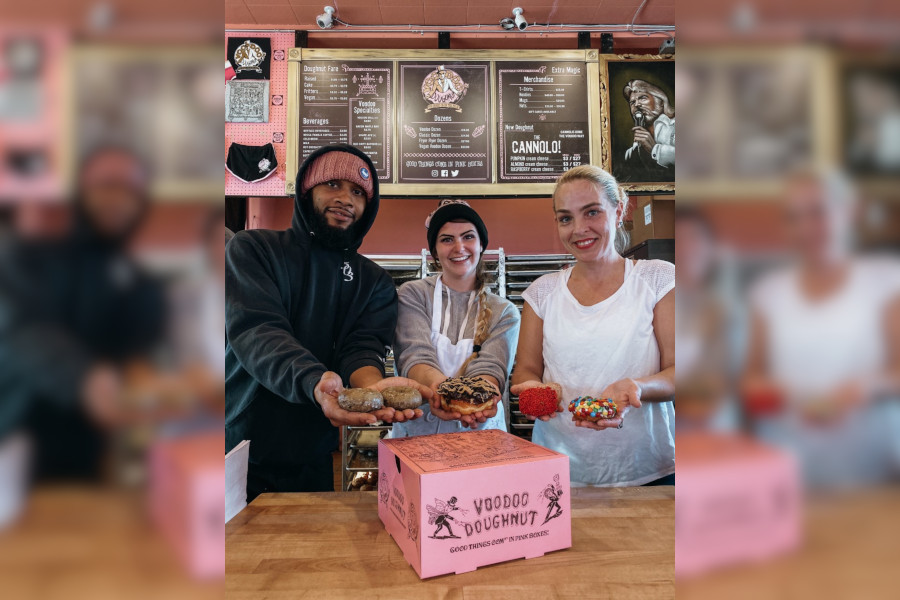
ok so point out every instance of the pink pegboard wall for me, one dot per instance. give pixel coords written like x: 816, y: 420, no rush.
x: 257, y: 134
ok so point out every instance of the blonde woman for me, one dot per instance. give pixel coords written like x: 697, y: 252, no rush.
x: 604, y: 328
x: 450, y: 325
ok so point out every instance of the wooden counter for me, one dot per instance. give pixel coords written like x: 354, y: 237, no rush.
x: 80, y: 542
x: 332, y: 545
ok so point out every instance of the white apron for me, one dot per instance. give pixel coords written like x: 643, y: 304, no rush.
x: 450, y: 358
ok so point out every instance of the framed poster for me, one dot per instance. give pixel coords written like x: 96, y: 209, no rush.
x: 444, y: 118
x: 430, y: 119
x: 870, y: 117
x: 349, y: 102
x: 157, y: 101
x: 542, y: 119
x: 247, y: 101
x: 751, y: 116
x: 638, y: 120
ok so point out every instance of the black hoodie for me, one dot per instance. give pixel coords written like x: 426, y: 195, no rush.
x: 65, y: 306
x: 295, y: 309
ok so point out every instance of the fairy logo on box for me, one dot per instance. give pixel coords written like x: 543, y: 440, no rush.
x: 441, y: 514
x: 443, y: 88
x: 552, y: 494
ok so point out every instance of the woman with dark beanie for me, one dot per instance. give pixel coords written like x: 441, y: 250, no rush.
x: 451, y: 325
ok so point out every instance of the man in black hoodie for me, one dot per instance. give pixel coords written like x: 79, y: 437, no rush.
x: 305, y: 315
x: 75, y: 313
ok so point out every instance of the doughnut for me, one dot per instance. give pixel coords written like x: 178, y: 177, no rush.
x: 402, y: 397
x: 588, y: 408
x: 466, y: 395
x: 360, y: 400
x: 539, y: 401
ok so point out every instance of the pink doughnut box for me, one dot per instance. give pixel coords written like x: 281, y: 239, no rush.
x: 456, y: 501
x: 736, y: 501
x: 187, y: 482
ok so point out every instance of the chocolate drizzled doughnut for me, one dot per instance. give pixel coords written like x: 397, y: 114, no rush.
x: 470, y: 389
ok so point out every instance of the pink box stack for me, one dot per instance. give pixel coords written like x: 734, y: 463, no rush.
x: 736, y: 500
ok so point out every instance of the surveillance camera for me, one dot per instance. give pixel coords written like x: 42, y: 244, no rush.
x: 521, y: 23
x: 667, y: 47
x: 507, y: 23
x: 324, y: 21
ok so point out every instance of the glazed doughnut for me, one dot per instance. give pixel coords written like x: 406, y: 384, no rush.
x: 360, y: 400
x: 402, y: 397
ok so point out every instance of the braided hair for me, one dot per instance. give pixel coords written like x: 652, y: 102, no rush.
x: 485, y: 314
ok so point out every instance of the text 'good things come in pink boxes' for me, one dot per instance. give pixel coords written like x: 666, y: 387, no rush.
x: 456, y: 501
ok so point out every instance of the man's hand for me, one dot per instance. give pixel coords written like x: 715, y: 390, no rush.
x: 390, y: 415
x: 326, y: 393
x: 533, y: 383
x: 101, y: 393
x: 644, y: 139
x: 626, y: 393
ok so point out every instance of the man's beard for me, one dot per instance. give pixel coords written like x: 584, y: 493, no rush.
x: 649, y: 116
x: 333, y: 237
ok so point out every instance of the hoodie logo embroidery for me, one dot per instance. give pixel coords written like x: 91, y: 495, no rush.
x: 347, y: 270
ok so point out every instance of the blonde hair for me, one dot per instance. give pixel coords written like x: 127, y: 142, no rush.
x: 607, y: 186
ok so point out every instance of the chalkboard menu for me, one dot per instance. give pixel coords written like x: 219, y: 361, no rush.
x: 348, y: 102
x: 542, y: 119
x: 444, y: 122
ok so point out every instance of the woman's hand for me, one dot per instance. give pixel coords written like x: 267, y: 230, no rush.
x: 626, y: 393
x: 471, y: 421
x: 475, y: 420
x: 532, y: 383
x: 390, y: 415
x: 436, y: 408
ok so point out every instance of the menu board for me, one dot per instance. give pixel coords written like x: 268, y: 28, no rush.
x: 444, y: 119
x: 348, y: 102
x: 542, y: 119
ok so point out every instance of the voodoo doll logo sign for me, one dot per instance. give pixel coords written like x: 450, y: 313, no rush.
x: 443, y: 88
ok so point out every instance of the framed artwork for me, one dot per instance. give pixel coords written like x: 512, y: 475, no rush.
x: 870, y: 116
x: 161, y: 103
x: 751, y: 116
x: 638, y: 120
x: 246, y: 101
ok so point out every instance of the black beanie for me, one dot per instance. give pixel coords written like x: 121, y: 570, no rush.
x: 452, y: 211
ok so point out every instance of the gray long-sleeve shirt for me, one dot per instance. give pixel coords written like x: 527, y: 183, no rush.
x: 413, y: 341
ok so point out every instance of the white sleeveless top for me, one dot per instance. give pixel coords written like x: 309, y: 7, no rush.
x: 587, y: 348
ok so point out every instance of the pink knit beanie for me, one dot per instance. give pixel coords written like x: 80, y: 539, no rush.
x: 338, y: 165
